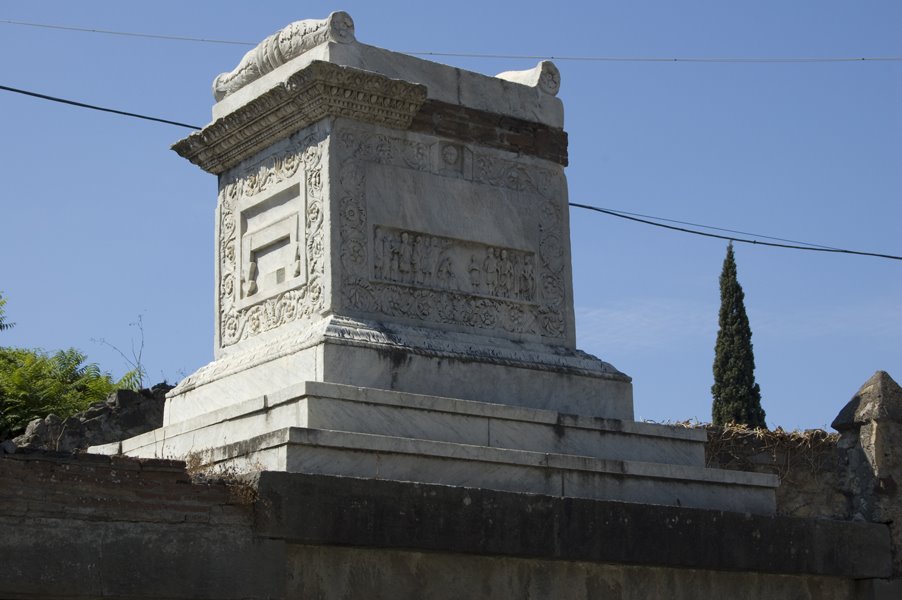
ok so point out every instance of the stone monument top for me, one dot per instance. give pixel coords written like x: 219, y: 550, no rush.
x: 300, y: 37
x: 272, y: 62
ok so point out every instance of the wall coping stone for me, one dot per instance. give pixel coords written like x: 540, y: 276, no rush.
x: 400, y: 515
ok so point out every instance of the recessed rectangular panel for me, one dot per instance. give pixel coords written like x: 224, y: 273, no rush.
x: 451, y: 207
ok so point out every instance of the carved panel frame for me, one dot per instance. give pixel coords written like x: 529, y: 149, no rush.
x: 300, y: 158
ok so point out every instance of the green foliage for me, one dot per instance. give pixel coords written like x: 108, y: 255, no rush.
x: 3, y: 323
x: 34, y: 384
x: 737, y: 398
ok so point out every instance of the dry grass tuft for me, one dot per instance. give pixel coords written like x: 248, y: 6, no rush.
x: 781, y: 452
x: 241, y: 485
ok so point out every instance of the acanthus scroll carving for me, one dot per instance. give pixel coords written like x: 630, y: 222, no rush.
x: 241, y: 321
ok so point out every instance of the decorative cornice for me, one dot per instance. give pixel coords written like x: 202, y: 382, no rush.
x: 320, y: 90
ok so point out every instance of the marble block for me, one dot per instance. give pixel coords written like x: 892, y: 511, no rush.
x: 335, y: 429
x: 390, y: 222
x: 338, y: 407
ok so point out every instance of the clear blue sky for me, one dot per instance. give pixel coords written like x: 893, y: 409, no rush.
x: 101, y: 222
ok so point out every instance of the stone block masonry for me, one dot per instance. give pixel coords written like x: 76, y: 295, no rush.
x: 81, y: 526
x: 86, y: 526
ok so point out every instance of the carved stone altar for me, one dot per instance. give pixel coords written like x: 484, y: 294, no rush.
x: 394, y: 294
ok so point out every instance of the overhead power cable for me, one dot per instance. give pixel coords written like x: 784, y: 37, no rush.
x: 94, y: 107
x: 665, y: 59
x: 767, y: 237
x: 702, y: 59
x: 812, y: 248
x: 177, y: 38
x: 794, y: 245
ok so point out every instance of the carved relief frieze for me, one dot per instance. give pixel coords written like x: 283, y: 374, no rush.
x: 244, y: 309
x: 410, y: 274
x: 423, y: 260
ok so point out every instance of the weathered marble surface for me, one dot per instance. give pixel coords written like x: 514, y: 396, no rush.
x: 402, y: 227
x: 423, y: 231
x: 450, y: 252
x: 282, y: 46
x: 403, y: 459
x: 376, y: 411
x: 545, y: 76
x: 402, y: 359
x: 364, y: 432
x: 444, y: 83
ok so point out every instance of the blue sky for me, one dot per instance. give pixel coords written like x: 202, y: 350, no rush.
x: 101, y: 222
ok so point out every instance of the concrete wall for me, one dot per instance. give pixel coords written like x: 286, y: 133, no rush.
x: 100, y: 527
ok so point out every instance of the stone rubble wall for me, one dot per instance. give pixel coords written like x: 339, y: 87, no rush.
x: 124, y: 414
x: 808, y: 463
x: 853, y: 475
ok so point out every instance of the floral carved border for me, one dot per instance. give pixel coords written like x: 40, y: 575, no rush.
x: 303, y: 157
x: 361, y: 292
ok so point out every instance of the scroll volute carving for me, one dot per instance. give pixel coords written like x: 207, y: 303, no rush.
x: 282, y: 46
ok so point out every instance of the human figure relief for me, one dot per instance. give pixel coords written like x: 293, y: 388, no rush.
x: 394, y: 249
x: 405, y: 258
x: 445, y: 273
x: 427, y: 260
x: 505, y: 275
x: 527, y: 279
x: 385, y: 243
x: 416, y: 259
x: 474, y: 273
x: 490, y: 271
x: 378, y: 254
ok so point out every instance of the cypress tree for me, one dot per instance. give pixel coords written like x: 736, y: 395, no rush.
x: 737, y: 398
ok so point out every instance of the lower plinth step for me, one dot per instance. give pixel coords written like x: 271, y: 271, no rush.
x: 303, y: 450
x: 370, y: 456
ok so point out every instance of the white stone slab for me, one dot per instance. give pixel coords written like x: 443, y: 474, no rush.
x: 401, y: 459
x: 366, y: 410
